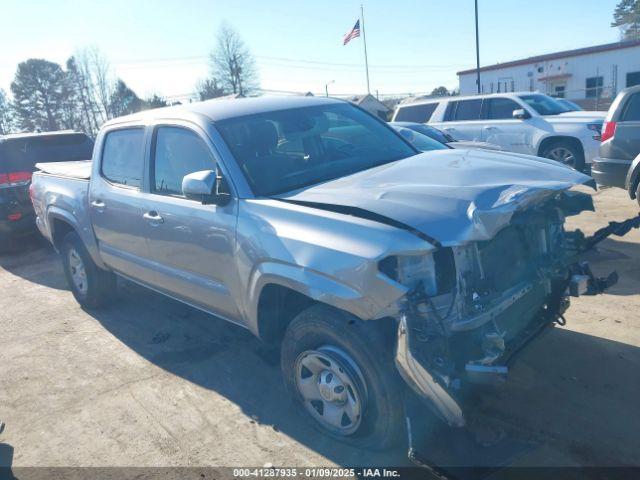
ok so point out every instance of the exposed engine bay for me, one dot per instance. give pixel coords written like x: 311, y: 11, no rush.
x: 481, y: 302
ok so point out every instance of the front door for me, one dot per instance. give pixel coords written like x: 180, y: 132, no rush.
x: 192, y: 244
x: 116, y: 204
x: 500, y: 128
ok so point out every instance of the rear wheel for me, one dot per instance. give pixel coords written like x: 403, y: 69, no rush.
x: 91, y: 286
x: 565, y: 152
x: 341, y: 372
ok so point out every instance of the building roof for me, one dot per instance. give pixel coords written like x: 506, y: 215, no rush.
x: 360, y: 99
x: 552, y: 56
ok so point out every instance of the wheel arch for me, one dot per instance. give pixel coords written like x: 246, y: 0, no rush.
x: 548, y: 141
x: 61, y: 222
x: 278, y: 292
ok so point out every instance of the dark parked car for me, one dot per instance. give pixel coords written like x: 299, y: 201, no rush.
x: 620, y: 145
x: 440, y: 136
x: 18, y: 155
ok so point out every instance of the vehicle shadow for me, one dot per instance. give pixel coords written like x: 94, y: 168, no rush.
x: 568, y: 390
x: 576, y: 392
x: 227, y: 359
x: 621, y: 256
x: 33, y: 258
x: 6, y: 460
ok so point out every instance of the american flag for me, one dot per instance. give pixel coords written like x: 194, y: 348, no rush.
x: 353, y: 33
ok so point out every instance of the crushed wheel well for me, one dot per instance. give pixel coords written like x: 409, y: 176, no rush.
x: 277, y: 306
x: 60, y: 228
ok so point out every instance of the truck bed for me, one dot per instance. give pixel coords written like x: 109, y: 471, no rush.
x: 78, y: 169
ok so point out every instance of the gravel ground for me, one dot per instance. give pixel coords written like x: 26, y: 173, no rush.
x: 151, y: 382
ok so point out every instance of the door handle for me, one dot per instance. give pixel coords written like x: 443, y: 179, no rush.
x: 153, y: 218
x: 98, y: 205
x: 490, y: 128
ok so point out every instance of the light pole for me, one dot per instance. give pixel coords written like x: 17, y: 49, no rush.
x: 326, y: 87
x: 477, y: 50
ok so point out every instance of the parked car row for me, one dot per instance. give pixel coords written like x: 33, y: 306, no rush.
x: 382, y: 272
x: 618, y: 164
x: 18, y: 156
x: 524, y: 122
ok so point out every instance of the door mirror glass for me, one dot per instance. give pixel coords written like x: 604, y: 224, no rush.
x: 521, y: 114
x: 206, y: 186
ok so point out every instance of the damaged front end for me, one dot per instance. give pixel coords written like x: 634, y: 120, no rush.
x: 472, y: 306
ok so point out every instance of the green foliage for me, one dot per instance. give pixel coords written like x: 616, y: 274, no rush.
x: 440, y: 92
x: 155, y: 101
x: 209, y: 88
x: 123, y: 100
x: 5, y: 113
x: 40, y: 92
x: 627, y: 16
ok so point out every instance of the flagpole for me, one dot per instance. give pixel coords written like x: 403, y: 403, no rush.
x: 364, y: 41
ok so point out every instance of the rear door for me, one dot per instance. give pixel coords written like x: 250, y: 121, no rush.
x: 418, y: 113
x: 462, y: 119
x: 116, y: 203
x: 191, y: 244
x: 500, y: 128
x: 626, y: 141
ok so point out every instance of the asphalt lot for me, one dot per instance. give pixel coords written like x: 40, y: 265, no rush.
x: 151, y: 382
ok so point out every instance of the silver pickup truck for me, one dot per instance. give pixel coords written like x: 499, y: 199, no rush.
x: 320, y: 229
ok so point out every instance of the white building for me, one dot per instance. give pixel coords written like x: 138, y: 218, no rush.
x: 589, y: 76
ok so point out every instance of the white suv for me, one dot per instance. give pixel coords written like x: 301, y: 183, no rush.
x: 524, y: 122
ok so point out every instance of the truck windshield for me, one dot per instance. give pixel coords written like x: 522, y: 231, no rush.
x: 544, y: 105
x: 285, y: 150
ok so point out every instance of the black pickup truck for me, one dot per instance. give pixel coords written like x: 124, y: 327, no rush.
x: 18, y: 155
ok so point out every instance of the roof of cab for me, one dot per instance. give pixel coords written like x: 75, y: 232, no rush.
x: 223, y: 109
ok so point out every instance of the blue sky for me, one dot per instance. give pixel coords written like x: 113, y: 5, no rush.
x: 161, y: 46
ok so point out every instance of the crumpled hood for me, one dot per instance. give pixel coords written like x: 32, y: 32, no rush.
x: 453, y: 196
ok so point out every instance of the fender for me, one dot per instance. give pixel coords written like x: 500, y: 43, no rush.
x: 632, y: 177
x: 85, y: 233
x: 312, y: 284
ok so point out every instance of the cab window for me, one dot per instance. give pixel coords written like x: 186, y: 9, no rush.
x: 123, y: 157
x: 177, y: 152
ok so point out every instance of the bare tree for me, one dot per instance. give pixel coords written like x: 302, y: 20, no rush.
x: 232, y: 63
x: 95, y: 66
x: 81, y: 93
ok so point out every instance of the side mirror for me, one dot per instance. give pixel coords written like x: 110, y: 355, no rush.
x: 206, y: 186
x: 521, y: 114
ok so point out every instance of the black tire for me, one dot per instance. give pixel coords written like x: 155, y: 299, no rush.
x: 552, y: 149
x: 382, y: 421
x: 100, y: 284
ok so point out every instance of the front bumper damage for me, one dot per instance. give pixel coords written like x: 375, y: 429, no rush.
x: 541, y: 299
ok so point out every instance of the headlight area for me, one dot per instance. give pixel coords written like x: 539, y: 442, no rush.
x: 436, y: 270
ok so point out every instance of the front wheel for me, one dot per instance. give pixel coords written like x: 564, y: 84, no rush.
x: 91, y: 286
x: 565, y: 152
x: 341, y: 371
